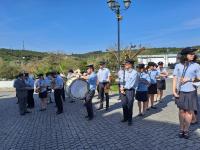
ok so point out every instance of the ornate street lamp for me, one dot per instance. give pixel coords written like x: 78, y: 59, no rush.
x: 115, y: 7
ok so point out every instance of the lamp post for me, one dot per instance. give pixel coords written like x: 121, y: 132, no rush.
x: 116, y: 8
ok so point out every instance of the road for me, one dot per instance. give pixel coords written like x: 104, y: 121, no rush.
x: 71, y: 131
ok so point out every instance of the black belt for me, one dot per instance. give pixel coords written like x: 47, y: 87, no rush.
x: 129, y: 89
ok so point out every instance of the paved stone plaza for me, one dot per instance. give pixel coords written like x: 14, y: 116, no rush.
x: 70, y: 130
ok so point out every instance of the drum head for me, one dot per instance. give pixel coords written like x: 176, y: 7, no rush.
x: 68, y: 84
x: 78, y: 89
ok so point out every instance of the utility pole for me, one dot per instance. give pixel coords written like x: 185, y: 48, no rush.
x: 23, y: 48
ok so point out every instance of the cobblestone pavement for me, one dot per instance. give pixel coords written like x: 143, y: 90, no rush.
x: 70, y: 130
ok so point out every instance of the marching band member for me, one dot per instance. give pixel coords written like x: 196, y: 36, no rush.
x: 130, y: 79
x: 41, y: 88
x: 63, y: 88
x: 152, y: 89
x: 104, y: 78
x: 161, y: 84
x: 92, y: 80
x: 142, y: 89
x: 30, y: 83
x: 185, y: 73
x: 22, y: 93
x: 58, y: 85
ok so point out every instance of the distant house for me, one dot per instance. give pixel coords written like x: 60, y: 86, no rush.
x: 166, y: 59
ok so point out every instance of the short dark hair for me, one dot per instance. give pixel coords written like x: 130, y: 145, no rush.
x: 91, y: 68
x: 20, y: 74
x: 70, y: 70
x: 160, y: 63
x: 26, y: 74
x: 40, y: 75
x: 141, y: 66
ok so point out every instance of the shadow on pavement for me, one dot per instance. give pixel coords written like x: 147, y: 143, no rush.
x: 159, y: 106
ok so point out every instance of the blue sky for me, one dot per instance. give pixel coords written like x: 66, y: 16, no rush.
x: 80, y: 26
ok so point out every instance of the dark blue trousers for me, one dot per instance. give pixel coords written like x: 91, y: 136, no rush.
x: 58, y: 100
x: 101, y: 94
x: 88, y: 103
x: 127, y: 104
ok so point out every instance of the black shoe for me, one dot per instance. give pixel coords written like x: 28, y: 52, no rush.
x: 130, y: 123
x: 86, y: 116
x: 90, y: 118
x: 140, y: 114
x: 57, y: 113
x: 186, y: 134
x: 153, y: 107
x: 23, y: 114
x: 124, y: 120
x: 107, y: 108
x: 28, y: 112
x: 181, y: 134
x: 194, y: 123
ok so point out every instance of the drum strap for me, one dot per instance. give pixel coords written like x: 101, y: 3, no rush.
x: 186, y: 66
x: 149, y: 73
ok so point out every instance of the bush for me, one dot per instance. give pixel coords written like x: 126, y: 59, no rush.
x: 9, y: 71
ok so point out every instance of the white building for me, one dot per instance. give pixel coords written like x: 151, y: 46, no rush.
x: 166, y: 59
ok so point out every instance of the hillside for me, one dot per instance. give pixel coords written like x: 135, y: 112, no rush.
x: 14, y: 61
x: 10, y: 55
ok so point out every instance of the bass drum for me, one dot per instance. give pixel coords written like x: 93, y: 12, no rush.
x: 77, y: 88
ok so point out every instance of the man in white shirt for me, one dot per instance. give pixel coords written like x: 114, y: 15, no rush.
x: 103, y: 77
